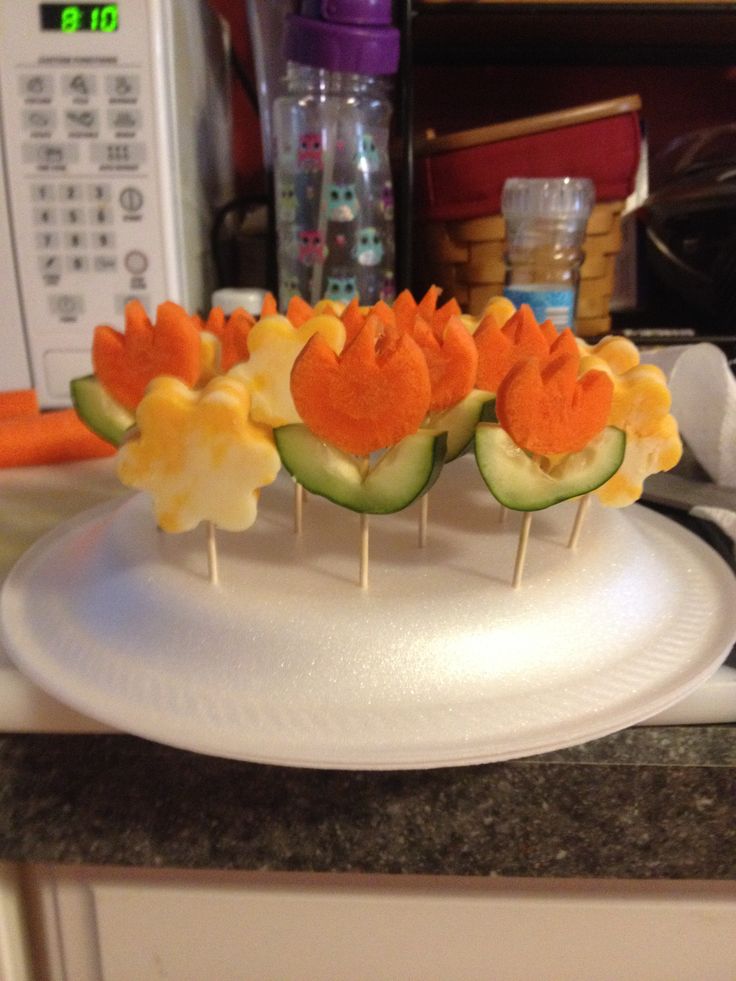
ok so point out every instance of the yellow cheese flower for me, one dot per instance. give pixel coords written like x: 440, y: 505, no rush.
x: 274, y: 345
x: 641, y: 407
x: 199, y: 454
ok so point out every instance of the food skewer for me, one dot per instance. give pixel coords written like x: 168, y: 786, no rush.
x: 526, y: 524
x: 423, y: 519
x: 298, y: 507
x: 212, y: 563
x: 582, y: 508
x: 364, y: 528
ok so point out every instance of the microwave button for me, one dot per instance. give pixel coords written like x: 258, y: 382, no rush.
x: 122, y: 86
x: 50, y: 266
x: 98, y: 192
x: 123, y: 299
x: 101, y: 215
x: 75, y: 240
x: 71, y: 193
x: 72, y: 216
x: 80, y: 85
x: 82, y: 120
x: 67, y: 306
x: 131, y: 199
x: 105, y: 263
x: 50, y: 154
x: 43, y: 192
x: 36, y: 86
x: 47, y: 240
x: 39, y: 118
x: 118, y: 154
x: 77, y: 263
x: 103, y: 240
x: 44, y: 216
x: 136, y: 262
x: 124, y: 119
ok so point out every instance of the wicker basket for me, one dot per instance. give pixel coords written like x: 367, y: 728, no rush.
x: 460, y: 247
x: 465, y: 258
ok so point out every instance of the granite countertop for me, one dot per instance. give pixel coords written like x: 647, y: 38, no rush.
x: 648, y: 802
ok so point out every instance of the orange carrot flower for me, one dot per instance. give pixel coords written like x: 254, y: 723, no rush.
x: 367, y: 398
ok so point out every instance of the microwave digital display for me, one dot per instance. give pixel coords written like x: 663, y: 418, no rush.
x: 70, y: 18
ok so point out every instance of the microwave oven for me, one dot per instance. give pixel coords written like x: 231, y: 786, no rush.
x: 116, y: 152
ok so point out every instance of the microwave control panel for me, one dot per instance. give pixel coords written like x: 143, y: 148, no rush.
x: 91, y: 173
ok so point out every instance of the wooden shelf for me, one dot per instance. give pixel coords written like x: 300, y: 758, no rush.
x: 575, y: 32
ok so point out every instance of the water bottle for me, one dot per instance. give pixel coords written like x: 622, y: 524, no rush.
x: 545, y: 230
x: 334, y: 198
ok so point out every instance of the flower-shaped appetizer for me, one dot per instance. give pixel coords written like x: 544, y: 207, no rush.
x: 199, y: 454
x: 274, y: 344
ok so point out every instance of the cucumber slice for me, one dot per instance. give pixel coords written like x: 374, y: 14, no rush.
x: 99, y: 411
x: 401, y: 475
x: 459, y: 422
x: 518, y: 481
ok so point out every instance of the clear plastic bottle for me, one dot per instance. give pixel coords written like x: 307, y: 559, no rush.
x: 546, y: 220
x: 333, y: 186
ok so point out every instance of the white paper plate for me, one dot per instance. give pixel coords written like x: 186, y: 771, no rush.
x: 439, y: 662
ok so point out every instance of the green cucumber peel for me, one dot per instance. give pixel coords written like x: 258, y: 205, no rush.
x: 389, y: 484
x: 522, y: 483
x: 460, y: 420
x: 99, y: 411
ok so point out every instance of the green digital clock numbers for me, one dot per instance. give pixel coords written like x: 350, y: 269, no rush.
x: 70, y: 18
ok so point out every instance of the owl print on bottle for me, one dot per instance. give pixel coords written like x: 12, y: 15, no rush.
x: 341, y: 288
x: 386, y: 202
x: 309, y: 153
x: 343, y: 204
x: 367, y: 156
x: 287, y: 204
x: 368, y: 249
x: 388, y: 286
x: 312, y: 247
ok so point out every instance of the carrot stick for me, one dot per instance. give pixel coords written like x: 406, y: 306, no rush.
x: 48, y: 437
x: 20, y: 402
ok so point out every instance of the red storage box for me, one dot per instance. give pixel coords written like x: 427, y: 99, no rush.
x: 459, y: 179
x: 461, y: 175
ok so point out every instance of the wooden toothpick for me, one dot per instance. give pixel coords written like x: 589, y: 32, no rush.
x: 364, y: 526
x: 298, y: 508
x: 526, y: 524
x: 578, y: 523
x: 423, y: 517
x: 212, y: 554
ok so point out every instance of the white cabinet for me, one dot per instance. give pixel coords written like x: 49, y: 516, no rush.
x: 122, y: 925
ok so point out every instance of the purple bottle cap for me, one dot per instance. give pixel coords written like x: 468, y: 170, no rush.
x: 344, y: 36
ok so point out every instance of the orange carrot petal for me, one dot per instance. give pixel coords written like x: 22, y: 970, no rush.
x: 494, y: 353
x: 125, y: 363
x: 563, y: 343
x: 298, y: 311
x: 20, y: 402
x: 452, y: 364
x: 234, y: 341
x: 48, y: 437
x: 215, y: 322
x: 269, y: 306
x: 362, y: 400
x: 546, y: 409
x: 405, y: 311
x: 428, y: 303
x: 442, y: 315
x: 353, y: 319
